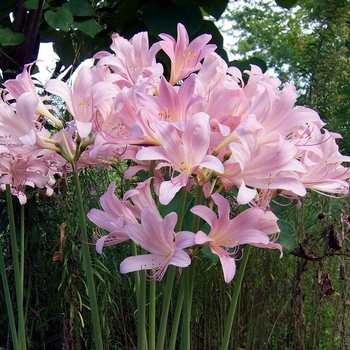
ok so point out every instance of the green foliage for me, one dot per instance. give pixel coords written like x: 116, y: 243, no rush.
x: 59, y: 20
x: 161, y: 19
x: 287, y: 235
x: 307, y: 45
x: 288, y: 4
x: 32, y: 5
x: 79, y: 8
x: 10, y: 38
x: 80, y: 28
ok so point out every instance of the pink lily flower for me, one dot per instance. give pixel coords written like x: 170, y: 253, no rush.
x: 113, y: 217
x: 325, y: 174
x: 131, y: 59
x: 166, y: 246
x: 185, y: 153
x: 185, y: 57
x: 79, y: 102
x: 249, y: 227
x: 116, y: 214
x: 19, y: 170
x: 172, y: 103
x: 268, y: 166
x: 20, y: 125
x: 23, y: 83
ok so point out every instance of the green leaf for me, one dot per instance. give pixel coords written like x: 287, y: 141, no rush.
x: 62, y: 19
x: 163, y: 18
x: 33, y: 5
x: 286, y: 238
x: 181, y: 2
x: 208, y: 254
x: 127, y: 13
x: 10, y: 38
x: 64, y: 49
x: 79, y: 8
x: 281, y: 204
x: 214, y: 8
x: 88, y: 26
x: 209, y: 27
x: 287, y: 4
x: 245, y: 64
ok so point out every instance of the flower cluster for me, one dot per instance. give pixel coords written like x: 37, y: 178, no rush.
x: 201, y: 128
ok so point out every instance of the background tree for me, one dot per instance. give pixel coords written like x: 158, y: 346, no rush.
x: 307, y: 45
x: 79, y: 28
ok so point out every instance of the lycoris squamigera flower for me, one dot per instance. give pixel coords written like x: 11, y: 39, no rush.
x: 226, y: 235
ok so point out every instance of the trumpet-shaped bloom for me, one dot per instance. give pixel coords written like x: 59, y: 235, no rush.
x: 185, y: 153
x: 326, y: 174
x: 131, y: 59
x: 185, y: 56
x: 112, y: 218
x: 272, y: 165
x: 79, y: 102
x: 20, y: 171
x: 23, y: 83
x: 116, y: 214
x: 166, y: 246
x: 21, y: 125
x: 249, y: 227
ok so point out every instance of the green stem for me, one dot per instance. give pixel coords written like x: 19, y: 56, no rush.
x: 170, y: 278
x: 152, y: 316
x: 186, y: 326
x: 17, y: 270
x: 176, y: 321
x: 88, y: 264
x: 140, y: 288
x: 10, y: 313
x: 234, y: 299
x: 189, y: 277
x: 141, y: 327
x: 166, y: 305
x: 198, y: 200
x: 21, y: 318
x: 181, y: 211
x: 136, y: 275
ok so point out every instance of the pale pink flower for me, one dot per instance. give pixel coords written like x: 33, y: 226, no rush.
x: 326, y: 174
x: 158, y: 238
x: 131, y: 59
x: 112, y: 218
x: 185, y: 57
x: 79, y: 100
x: 267, y: 166
x: 116, y: 213
x: 172, y: 104
x: 20, y: 171
x: 23, y: 83
x: 252, y: 226
x: 20, y: 126
x: 183, y: 153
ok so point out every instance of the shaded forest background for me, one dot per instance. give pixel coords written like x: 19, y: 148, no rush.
x: 299, y: 302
